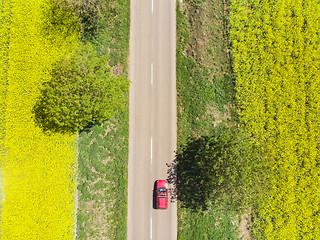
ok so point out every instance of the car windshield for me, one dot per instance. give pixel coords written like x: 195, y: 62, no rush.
x: 162, y: 190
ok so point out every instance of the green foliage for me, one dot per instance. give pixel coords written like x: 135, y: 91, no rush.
x: 214, y: 168
x: 207, y: 225
x: 205, y: 86
x: 60, y: 22
x: 84, y: 191
x: 224, y: 91
x: 205, y: 98
x: 82, y: 91
x: 105, y: 146
x: 195, y: 3
x: 113, y: 37
x: 65, y: 16
x: 183, y: 35
x: 90, y: 14
x: 82, y: 219
x: 105, y: 23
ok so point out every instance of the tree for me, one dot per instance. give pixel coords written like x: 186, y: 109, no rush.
x: 215, y: 168
x: 82, y: 91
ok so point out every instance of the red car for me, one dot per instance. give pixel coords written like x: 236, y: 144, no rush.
x: 162, y: 194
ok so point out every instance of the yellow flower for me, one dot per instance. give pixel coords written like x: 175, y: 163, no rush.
x: 38, y: 169
x: 277, y: 66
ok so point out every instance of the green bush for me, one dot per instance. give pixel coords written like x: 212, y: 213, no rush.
x: 89, y: 13
x: 216, y: 168
x: 82, y: 91
x: 65, y: 16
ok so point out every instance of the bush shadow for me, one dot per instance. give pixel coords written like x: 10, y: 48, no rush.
x: 214, y: 168
x: 48, y: 127
x: 189, y: 184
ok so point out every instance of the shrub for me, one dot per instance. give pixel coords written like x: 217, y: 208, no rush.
x: 82, y: 91
x: 89, y: 13
x: 215, y: 168
x: 64, y: 16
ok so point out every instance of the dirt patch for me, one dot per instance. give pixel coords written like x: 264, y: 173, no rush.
x: 245, y: 223
x: 218, y: 116
x: 117, y: 70
x: 106, y: 132
x: 99, y: 223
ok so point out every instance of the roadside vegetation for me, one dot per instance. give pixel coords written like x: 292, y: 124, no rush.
x: 82, y: 92
x: 256, y: 67
x: 103, y: 146
x: 67, y: 46
x: 210, y: 156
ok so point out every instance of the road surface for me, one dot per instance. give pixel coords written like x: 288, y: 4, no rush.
x: 152, y: 125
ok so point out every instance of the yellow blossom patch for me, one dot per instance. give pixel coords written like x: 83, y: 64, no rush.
x: 277, y: 63
x: 38, y: 169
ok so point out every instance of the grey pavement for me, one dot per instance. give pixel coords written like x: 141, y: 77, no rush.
x: 152, y: 124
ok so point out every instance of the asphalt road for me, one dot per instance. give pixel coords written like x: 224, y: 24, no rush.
x: 152, y: 124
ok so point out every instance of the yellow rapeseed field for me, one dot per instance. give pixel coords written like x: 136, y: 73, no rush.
x: 38, y: 169
x: 277, y: 64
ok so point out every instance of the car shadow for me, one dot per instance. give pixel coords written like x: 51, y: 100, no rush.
x: 154, y: 195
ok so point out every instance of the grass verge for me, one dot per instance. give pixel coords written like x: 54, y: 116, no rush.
x: 103, y: 148
x: 204, y: 75
x: 205, y: 100
x: 103, y: 153
x: 215, y: 223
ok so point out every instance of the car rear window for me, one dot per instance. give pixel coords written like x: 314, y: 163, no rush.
x: 162, y: 190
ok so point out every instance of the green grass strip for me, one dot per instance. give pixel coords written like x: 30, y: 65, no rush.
x: 205, y: 99
x: 103, y: 149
